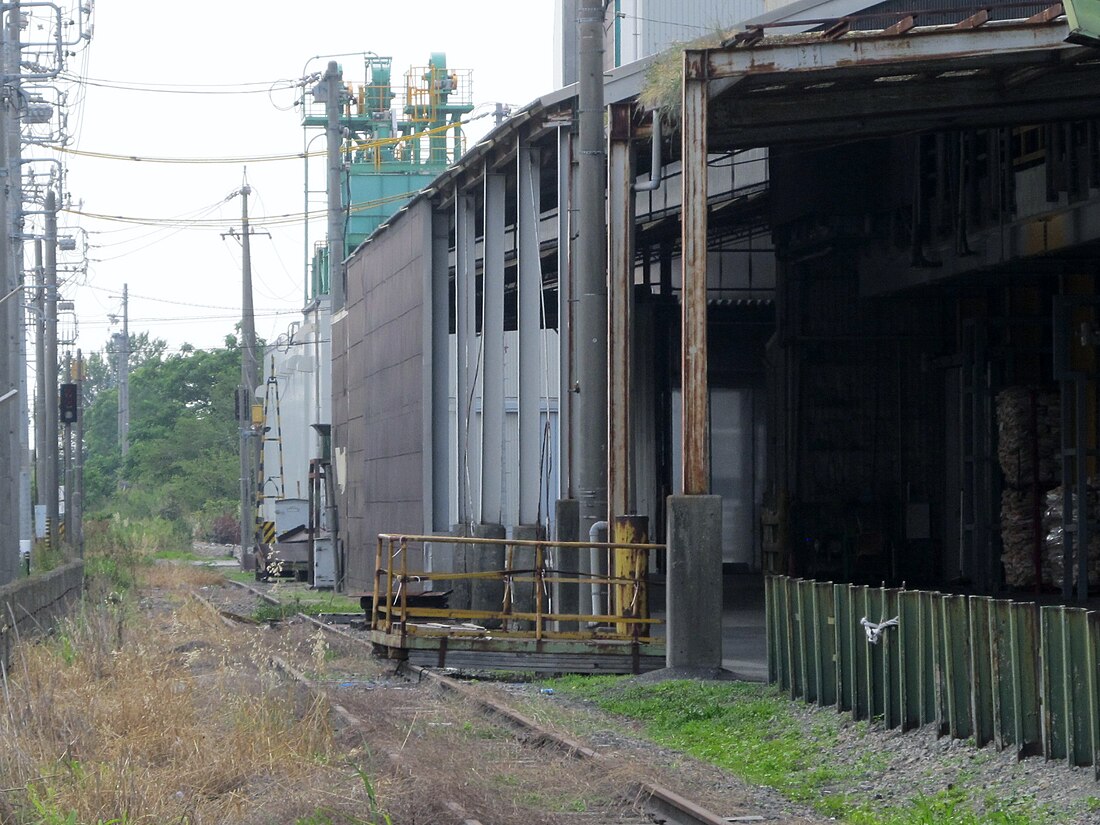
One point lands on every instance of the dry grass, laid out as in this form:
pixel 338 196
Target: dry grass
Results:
pixel 664 81
pixel 163 716
pixel 459 755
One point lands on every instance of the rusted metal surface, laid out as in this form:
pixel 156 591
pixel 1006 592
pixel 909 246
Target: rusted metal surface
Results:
pixel 901 27
pixel 979 18
pixel 820 51
pixel 630 595
pixel 1047 14
pixel 695 436
pixel 396 616
pixel 620 309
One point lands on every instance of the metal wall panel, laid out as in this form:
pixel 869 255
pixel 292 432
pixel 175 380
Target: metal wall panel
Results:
pixel 382 428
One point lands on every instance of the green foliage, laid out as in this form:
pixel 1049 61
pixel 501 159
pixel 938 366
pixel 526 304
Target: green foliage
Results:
pixel 751 731
pixel 115 548
pixel 47 811
pixel 182 465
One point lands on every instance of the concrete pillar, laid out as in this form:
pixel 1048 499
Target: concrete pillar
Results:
pixel 486 594
pixel 460 598
pixel 694 611
pixel 523 561
pixel 567 527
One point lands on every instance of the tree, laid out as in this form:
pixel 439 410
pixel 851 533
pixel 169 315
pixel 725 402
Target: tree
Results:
pixel 183 433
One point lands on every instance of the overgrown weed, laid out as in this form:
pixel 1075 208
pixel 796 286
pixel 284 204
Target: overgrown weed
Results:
pixel 127 715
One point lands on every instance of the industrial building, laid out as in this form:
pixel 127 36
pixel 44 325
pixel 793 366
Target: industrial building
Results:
pixel 898 250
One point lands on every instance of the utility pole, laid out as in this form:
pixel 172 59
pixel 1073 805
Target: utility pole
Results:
pixel 67 460
pixel 10 330
pixel 249 381
pixel 334 87
pixel 12 63
pixel 52 420
pixel 124 375
pixel 590 341
pixel 40 449
pixel 78 471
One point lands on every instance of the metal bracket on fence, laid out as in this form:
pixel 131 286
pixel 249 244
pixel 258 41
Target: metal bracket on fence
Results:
pixel 874 631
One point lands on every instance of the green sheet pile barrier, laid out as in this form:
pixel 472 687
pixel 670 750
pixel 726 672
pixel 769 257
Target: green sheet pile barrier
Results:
pixel 1014 674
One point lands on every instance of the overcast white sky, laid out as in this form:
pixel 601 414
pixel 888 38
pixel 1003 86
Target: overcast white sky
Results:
pixel 185 284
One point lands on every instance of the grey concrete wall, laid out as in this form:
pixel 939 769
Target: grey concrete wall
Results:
pixel 379 429
pixel 29 607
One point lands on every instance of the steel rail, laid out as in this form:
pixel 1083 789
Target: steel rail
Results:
pixel 663 804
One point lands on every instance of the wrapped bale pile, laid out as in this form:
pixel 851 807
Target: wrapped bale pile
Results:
pixel 1028 451
pixel 1052 525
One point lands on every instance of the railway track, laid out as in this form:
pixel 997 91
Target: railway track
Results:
pixel 615 796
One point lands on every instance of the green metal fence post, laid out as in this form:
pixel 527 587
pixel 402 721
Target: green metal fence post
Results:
pixel 981 678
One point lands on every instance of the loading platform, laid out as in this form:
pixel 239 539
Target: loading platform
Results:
pixel 502 607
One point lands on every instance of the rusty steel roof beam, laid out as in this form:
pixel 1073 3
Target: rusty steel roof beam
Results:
pixel 802 53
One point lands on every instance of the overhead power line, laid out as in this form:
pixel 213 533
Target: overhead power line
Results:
pixel 351 147
pixel 218 223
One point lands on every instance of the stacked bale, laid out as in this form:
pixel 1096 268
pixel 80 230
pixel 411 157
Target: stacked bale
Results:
pixel 1052 525
pixel 1028 451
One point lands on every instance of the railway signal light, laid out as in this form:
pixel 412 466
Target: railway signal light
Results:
pixel 70 403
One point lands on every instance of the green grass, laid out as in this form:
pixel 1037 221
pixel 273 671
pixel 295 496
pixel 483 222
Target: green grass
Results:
pixel 751 731
pixel 745 728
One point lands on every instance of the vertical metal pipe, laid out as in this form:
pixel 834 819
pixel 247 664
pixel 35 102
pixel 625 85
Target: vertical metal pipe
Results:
pixel 590 455
pixel 530 332
pixel 695 435
pixel 333 80
pixel 441 446
pixel 565 313
pixel 465 307
pixel 620 241
pixel 492 332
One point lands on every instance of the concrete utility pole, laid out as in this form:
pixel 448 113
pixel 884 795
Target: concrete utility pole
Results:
pixel 334 88
pixel 590 423
pixel 78 471
pixel 40 448
pixel 124 375
pixel 11 64
pixel 249 381
pixel 67 460
pixel 52 420
pixel 10 331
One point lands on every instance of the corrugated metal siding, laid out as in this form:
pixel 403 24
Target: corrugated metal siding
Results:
pixel 664 22
pixel 382 428
pixel 940 12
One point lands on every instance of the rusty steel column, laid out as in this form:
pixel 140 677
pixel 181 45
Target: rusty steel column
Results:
pixel 620 310
pixel 695 436
pixel 590 385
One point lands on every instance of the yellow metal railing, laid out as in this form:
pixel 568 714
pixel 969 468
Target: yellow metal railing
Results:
pixel 623 591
